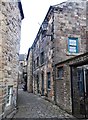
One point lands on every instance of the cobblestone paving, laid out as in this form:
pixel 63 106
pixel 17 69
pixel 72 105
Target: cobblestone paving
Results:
pixel 33 106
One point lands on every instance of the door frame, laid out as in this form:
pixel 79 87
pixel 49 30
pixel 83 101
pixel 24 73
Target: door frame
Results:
pixel 42 76
pixel 84 85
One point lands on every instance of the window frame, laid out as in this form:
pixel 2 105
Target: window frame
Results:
pixel 73 46
pixel 42 58
pixel 9 95
pixel 48 80
pixel 80 80
pixel 38 61
pixel 60 69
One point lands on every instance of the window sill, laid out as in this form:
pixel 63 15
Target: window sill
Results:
pixel 72 54
pixel 7 107
pixel 49 89
pixel 38 67
pixel 42 64
pixel 60 78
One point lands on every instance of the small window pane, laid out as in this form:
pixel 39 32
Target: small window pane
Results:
pixel 10 93
pixel 60 72
pixel 42 57
pixel 72 49
pixel 49 80
pixel 37 61
pixel 72 42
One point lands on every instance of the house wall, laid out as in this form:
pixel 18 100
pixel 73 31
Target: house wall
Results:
pixel 10 27
pixel 43 45
pixel 69 21
pixel 67 91
pixel 65 20
pixel 29 73
pixel 63 88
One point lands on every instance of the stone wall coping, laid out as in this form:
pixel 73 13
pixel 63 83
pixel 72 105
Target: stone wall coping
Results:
pixel 74 58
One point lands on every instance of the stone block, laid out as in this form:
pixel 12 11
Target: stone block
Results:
pixel 10 18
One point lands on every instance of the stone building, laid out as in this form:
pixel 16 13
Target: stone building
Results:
pixel 11 14
pixel 71 83
pixel 71 79
pixel 22 64
pixel 62 36
pixel 29 71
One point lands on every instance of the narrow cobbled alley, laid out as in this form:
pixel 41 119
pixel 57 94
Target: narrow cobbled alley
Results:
pixel 33 106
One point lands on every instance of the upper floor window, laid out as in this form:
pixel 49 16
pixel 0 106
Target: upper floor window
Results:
pixel 60 73
pixel 42 57
pixel 37 61
pixel 73 45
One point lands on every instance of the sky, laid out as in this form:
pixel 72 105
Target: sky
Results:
pixel 34 14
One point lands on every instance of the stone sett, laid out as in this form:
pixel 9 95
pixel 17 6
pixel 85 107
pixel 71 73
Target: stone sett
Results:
pixel 36 107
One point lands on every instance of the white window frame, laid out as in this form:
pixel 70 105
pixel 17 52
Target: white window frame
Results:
pixel 10 96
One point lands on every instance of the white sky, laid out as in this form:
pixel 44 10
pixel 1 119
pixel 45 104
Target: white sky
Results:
pixel 34 12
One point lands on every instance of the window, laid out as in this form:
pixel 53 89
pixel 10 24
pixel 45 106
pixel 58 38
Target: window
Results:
pixel 37 61
pixel 49 80
pixel 37 83
pixel 21 64
pixel 80 80
pixel 42 57
pixel 73 45
pixel 60 73
pixel 9 95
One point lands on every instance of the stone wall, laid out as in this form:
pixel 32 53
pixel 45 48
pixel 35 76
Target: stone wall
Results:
pixel 67 91
pixel 43 43
pixel 63 89
pixel 66 20
pixel 10 28
pixel 69 21
pixel 30 72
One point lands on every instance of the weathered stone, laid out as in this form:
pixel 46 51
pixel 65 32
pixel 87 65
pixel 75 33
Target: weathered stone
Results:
pixel 10 27
pixel 64 21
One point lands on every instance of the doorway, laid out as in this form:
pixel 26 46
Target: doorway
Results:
pixel 42 76
pixel 79 77
pixel 37 83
